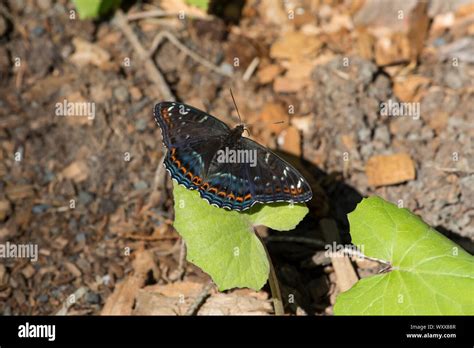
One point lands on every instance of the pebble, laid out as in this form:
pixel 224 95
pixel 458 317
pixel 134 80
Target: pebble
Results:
pixel 40 208
pixel 121 94
pixel 382 134
pixel 107 206
pixel 43 298
pixel 140 185
pixel 85 197
pixel 92 298
pixel 80 237
pixel 141 125
pixel 364 135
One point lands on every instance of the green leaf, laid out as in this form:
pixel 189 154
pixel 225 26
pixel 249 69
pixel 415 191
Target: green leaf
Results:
pixel 223 243
pixel 202 4
pixel 430 274
pixel 95 8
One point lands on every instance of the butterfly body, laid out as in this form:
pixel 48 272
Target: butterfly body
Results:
pixel 228 170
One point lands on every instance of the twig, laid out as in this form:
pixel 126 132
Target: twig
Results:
pixel 251 69
pixel 152 71
pixel 273 281
pixel 201 60
pixel 313 242
pixel 179 272
pixel 159 13
pixel 200 299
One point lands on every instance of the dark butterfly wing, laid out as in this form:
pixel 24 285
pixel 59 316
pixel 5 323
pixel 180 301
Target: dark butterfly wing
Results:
pixel 240 186
pixel 192 137
pixel 181 123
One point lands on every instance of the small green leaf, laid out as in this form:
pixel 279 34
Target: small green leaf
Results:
pixel 223 243
pixel 202 4
pixel 95 8
pixel 430 274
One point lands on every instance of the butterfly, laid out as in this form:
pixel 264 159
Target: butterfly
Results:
pixel 227 169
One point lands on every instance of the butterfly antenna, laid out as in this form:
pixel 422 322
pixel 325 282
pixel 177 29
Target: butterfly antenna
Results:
pixel 235 104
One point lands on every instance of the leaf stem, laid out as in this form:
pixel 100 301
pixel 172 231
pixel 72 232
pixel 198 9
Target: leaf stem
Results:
pixel 273 281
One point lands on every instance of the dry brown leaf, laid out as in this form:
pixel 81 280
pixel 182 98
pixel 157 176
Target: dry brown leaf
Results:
pixel 290 141
pixel 382 170
pixel 283 84
pixel 392 49
pixel 121 301
pixel 89 53
pixel 267 74
pixel 295 45
pixel 408 89
pixel 233 304
pixel 273 112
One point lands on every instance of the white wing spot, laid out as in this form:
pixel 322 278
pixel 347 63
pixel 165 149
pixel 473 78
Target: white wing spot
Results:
pixel 256 178
pixel 203 119
pixel 299 184
pixel 267 156
pixel 171 107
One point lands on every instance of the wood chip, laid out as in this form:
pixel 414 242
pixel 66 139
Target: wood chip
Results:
pixel 73 269
pixel 290 141
pixel 346 276
pixel 382 170
pixel 78 171
pixel 5 209
pixel 28 271
pixel 17 192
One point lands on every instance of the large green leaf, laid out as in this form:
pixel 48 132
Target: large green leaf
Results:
pixel 430 275
pixel 223 243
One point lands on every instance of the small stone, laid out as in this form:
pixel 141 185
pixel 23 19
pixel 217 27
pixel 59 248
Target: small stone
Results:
pixel 85 197
pixel 43 298
pixel 141 125
pixel 40 208
pixel 81 237
pixel 107 206
pixel 121 94
pixel 364 135
pixel 140 185
pixel 92 298
pixel 382 134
